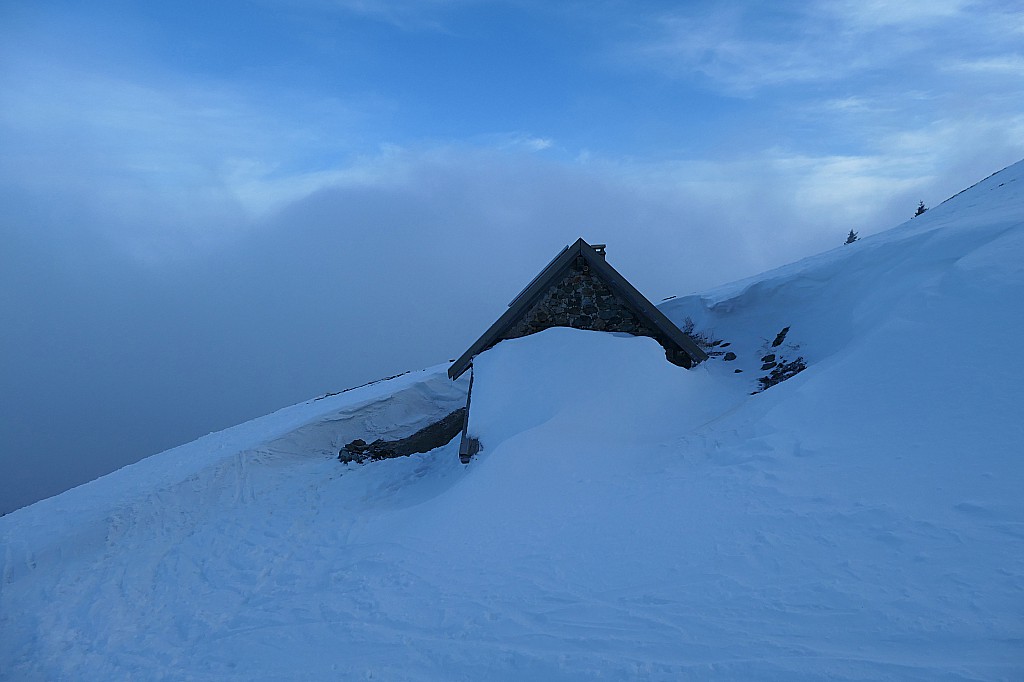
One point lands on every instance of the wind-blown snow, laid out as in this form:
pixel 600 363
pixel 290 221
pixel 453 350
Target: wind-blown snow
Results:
pixel 626 519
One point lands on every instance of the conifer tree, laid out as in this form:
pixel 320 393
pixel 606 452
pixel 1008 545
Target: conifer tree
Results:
pixel 921 208
pixel 852 237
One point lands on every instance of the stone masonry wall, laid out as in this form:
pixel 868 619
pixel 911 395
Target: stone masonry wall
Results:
pixel 582 301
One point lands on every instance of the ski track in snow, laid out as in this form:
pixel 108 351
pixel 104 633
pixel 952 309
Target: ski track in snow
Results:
pixel 860 521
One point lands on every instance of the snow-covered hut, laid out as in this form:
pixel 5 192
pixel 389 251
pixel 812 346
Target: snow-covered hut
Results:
pixel 579 289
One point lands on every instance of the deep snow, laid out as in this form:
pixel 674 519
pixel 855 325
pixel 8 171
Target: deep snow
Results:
pixel 627 519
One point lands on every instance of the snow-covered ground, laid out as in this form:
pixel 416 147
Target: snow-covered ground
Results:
pixel 626 519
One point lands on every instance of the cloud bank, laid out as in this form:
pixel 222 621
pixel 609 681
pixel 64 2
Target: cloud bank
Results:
pixel 188 248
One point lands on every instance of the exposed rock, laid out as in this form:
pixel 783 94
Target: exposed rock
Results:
pixel 783 371
pixel 729 356
pixel 426 439
pixel 780 337
pixel 358 445
pixel 768 358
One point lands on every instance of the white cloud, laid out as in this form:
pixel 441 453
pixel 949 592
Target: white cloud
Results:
pixel 537 144
pixel 1007 65
pixel 166 161
pixel 746 48
pixel 869 14
pixel 717 47
pixel 171 165
pixel 513 141
pixel 163 169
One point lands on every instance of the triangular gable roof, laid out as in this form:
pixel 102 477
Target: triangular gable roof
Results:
pixel 549 276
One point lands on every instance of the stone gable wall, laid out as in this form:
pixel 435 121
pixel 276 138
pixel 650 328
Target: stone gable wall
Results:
pixel 582 301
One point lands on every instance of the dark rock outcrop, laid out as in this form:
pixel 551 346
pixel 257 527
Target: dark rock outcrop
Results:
pixel 780 337
pixel 426 439
pixel 780 372
pixel 776 362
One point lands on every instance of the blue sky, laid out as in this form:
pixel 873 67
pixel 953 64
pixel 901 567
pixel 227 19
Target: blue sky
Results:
pixel 216 209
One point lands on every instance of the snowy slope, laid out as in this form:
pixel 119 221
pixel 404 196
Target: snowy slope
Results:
pixel 627 519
